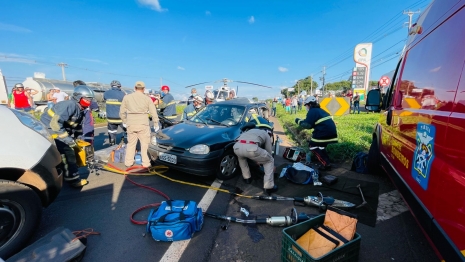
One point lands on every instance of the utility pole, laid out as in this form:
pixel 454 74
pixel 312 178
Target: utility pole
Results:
pixel 63 65
pixel 410 14
pixel 298 87
pixel 323 81
pixel 311 84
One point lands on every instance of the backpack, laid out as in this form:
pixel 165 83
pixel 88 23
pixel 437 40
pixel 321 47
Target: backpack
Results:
pixel 300 174
pixel 175 220
pixel 360 163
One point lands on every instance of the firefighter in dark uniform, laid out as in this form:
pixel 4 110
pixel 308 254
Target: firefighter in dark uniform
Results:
pixel 255 144
pixel 62 120
pixel 113 99
pixel 168 105
pixel 324 130
pixel 193 108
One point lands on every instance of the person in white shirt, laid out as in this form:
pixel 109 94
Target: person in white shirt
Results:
pixel 60 96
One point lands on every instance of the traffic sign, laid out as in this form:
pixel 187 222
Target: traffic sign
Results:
pixel 336 106
pixel 384 81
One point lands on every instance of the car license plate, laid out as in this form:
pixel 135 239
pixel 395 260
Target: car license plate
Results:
pixel 167 158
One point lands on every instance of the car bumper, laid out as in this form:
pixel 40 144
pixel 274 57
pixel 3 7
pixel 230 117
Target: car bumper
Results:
pixel 51 178
pixel 200 165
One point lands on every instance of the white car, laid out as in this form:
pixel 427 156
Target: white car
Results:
pixel 29 177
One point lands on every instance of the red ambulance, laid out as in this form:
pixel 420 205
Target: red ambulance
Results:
pixel 420 138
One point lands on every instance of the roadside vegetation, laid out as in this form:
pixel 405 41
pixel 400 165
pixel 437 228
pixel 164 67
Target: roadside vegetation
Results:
pixel 354 132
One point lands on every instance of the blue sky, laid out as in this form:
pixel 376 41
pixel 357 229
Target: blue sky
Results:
pixel 183 42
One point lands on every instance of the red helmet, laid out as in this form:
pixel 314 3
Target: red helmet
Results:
pixel 163 88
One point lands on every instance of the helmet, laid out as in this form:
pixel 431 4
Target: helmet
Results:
pixel 82 91
pixel 115 83
pixel 310 99
pixel 209 94
pixel 167 88
pixel 156 92
pixel 78 83
pixel 198 99
pixel 248 126
pixel 19 85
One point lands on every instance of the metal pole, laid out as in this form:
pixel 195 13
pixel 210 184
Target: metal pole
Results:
pixel 63 65
pixel 311 84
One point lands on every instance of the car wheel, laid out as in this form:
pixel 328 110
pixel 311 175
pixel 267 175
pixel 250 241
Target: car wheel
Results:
pixel 374 163
pixel 20 212
pixel 228 166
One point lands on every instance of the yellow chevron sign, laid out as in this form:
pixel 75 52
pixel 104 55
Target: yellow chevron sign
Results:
pixel 412 103
pixel 336 106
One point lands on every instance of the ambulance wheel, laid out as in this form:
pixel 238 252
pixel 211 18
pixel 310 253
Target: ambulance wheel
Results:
pixel 228 166
pixel 374 163
pixel 20 212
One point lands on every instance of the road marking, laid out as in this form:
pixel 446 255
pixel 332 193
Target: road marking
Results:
pixel 390 205
pixel 176 249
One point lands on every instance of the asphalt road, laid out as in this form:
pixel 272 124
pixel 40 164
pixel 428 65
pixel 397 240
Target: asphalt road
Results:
pixel 106 204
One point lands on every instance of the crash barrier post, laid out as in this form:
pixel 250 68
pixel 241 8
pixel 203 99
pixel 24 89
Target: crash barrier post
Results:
pixel 291 251
pixel 336 106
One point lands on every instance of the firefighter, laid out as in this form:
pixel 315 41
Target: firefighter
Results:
pixel 190 100
pixel 113 99
pixel 62 120
pixel 87 132
pixel 324 130
pixel 193 108
pixel 168 105
pixel 255 144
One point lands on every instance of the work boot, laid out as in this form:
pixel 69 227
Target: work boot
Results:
pixel 72 178
pixel 271 190
pixel 248 180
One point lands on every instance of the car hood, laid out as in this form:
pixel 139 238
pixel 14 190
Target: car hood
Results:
pixel 186 135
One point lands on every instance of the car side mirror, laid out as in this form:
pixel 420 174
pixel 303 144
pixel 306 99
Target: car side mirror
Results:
pixel 373 102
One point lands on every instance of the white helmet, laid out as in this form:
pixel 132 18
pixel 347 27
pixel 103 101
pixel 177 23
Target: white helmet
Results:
pixel 209 95
pixel 310 99
pixel 198 99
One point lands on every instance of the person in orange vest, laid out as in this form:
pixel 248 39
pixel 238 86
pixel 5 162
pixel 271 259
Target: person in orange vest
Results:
pixel 21 98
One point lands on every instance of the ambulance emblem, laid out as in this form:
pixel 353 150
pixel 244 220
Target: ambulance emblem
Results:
pixel 424 154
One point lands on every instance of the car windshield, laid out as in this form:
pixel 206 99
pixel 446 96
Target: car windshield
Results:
pixel 215 114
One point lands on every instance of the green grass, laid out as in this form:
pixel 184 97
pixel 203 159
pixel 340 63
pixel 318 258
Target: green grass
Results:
pixel 180 109
pixel 354 133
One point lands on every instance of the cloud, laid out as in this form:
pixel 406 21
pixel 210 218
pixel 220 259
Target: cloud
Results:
pixel 93 61
pixel 251 20
pixel 14 28
pixel 282 69
pixel 208 13
pixel 153 4
pixel 16 59
pixel 434 70
pixel 181 68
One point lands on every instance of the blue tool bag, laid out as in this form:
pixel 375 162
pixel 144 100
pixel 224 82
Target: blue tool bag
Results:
pixel 175 220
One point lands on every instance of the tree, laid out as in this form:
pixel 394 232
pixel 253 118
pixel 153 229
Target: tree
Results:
pixel 302 85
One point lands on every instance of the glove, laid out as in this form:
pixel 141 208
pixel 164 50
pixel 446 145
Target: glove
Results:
pixel 124 125
pixel 297 120
pixel 69 141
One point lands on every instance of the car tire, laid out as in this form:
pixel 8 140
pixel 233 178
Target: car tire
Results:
pixel 228 166
pixel 20 212
pixel 374 163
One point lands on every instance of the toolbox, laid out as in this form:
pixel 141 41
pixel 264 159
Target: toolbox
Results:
pixel 292 252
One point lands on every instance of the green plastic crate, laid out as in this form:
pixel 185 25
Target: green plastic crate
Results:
pixel 292 252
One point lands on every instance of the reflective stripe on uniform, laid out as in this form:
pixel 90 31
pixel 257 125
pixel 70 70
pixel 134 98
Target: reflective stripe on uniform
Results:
pixel 322 119
pixel 116 121
pixel 171 117
pixel 112 103
pixel 71 123
pixel 324 140
pixel 170 103
pixel 50 112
